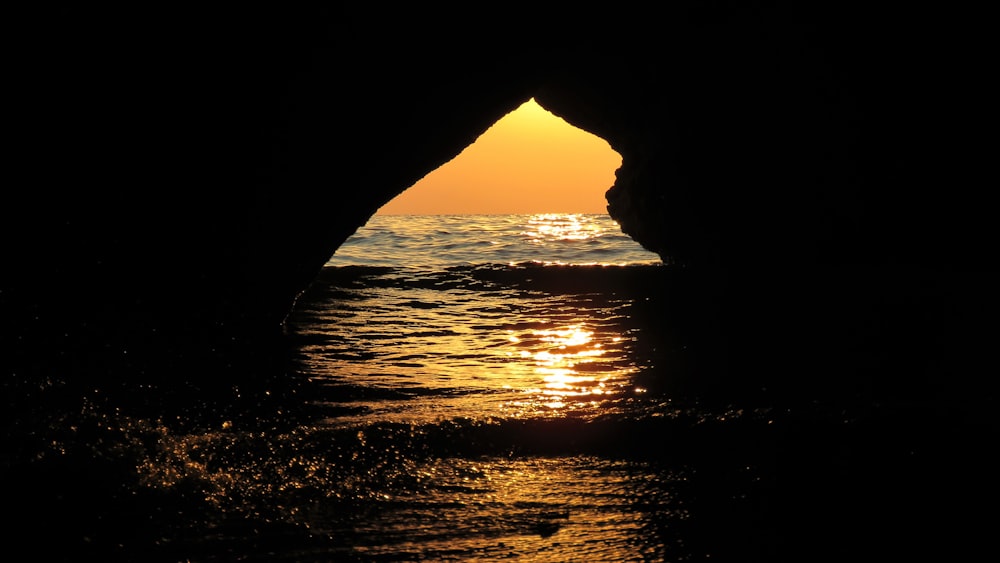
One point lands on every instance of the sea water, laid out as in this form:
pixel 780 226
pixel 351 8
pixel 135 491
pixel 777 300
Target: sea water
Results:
pixel 470 388
pixel 433 242
pixel 474 388
pixel 510 316
pixel 492 388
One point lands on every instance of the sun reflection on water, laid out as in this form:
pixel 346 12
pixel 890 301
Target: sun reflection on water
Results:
pixel 561 226
pixel 544 330
pixel 568 365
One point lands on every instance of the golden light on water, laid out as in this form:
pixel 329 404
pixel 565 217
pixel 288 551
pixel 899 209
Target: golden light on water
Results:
pixel 521 324
pixel 561 226
pixel 565 362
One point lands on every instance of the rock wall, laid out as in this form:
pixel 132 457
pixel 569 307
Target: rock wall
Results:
pixel 183 175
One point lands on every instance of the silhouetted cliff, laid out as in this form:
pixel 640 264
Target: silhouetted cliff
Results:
pixel 183 175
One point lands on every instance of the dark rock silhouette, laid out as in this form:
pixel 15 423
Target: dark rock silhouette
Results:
pixel 813 174
pixel 186 177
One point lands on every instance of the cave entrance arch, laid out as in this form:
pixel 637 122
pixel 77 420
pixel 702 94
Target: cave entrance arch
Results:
pixel 518 308
pixel 529 163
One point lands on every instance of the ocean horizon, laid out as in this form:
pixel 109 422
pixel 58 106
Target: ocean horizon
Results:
pixel 427 241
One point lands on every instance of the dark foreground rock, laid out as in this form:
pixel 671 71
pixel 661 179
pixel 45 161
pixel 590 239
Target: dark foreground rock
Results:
pixel 817 174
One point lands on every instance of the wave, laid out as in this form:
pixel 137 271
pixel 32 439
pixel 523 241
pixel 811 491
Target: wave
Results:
pixel 532 275
pixel 441 241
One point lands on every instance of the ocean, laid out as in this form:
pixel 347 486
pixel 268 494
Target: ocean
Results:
pixel 432 242
pixel 479 316
pixel 456 388
pixel 493 388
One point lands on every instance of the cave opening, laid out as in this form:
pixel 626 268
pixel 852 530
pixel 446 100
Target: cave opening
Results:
pixel 549 179
pixel 497 285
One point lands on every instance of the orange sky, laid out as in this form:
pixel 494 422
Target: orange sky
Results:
pixel 530 161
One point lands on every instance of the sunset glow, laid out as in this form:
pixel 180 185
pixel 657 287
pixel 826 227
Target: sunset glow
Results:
pixel 530 161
